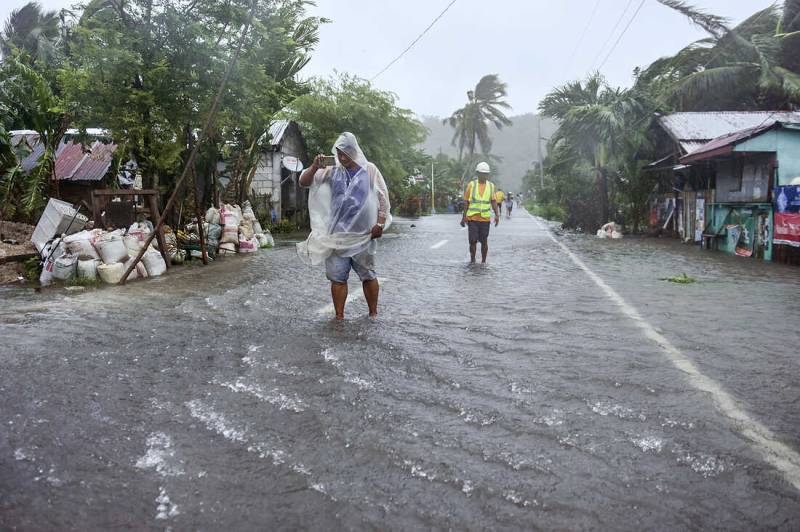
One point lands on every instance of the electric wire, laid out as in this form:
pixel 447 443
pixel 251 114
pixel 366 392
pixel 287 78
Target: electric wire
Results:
pixel 613 31
pixel 583 35
pixel 420 36
pixel 624 31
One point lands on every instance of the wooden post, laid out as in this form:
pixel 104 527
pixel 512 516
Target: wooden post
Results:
pixel 200 217
pixel 159 229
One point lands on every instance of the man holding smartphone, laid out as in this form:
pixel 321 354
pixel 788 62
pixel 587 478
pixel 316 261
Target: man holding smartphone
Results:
pixel 349 208
pixel 479 202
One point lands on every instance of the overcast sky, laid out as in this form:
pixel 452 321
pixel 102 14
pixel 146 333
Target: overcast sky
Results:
pixel 533 45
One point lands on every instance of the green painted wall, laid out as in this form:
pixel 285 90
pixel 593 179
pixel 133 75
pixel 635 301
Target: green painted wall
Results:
pixel 745 217
pixel 784 141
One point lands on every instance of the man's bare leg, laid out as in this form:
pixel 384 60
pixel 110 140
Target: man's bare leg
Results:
pixel 371 291
pixel 473 246
pixel 484 250
pixel 339 295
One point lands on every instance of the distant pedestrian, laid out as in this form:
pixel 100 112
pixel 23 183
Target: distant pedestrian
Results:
pixel 499 197
pixel 479 203
pixel 349 208
pixel 509 204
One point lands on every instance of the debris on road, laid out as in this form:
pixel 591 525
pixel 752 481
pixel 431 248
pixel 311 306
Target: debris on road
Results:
pixel 609 230
pixel 680 279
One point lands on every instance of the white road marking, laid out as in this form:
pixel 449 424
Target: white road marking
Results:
pixel 351 296
pixel 439 244
pixel 763 440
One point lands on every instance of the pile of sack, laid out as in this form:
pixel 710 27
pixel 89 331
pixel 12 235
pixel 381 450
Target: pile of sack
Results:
pixel 610 231
pixel 234 229
pixel 93 254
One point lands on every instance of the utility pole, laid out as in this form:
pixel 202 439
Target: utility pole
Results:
pixel 539 149
pixel 433 195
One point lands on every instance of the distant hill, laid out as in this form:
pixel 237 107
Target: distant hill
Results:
pixel 515 145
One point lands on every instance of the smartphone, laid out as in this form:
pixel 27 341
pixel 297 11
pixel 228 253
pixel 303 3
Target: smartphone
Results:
pixel 328 160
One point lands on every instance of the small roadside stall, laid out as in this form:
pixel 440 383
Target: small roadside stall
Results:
pixel 747 166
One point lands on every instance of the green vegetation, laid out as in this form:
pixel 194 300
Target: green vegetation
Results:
pixel 548 211
pixel 284 226
pixel 31 269
pixel 387 133
pixel 594 167
pixel 86 283
pixel 680 279
pixel 147 72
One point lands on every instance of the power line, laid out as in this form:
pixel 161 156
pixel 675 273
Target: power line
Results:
pixel 396 59
pixel 613 31
pixel 622 34
pixel 583 35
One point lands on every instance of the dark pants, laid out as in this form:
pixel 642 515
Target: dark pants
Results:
pixel 478 231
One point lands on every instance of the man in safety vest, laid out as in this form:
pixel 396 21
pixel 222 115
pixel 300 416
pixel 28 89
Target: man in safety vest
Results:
pixel 479 202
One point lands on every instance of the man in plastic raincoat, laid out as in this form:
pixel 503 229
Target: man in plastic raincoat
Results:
pixel 349 209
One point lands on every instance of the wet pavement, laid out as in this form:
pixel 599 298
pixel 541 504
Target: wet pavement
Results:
pixel 520 395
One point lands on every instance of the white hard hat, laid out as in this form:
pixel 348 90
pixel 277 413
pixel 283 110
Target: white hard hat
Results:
pixel 483 168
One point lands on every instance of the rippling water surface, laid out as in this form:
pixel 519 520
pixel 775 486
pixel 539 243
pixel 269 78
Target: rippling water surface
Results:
pixel 512 396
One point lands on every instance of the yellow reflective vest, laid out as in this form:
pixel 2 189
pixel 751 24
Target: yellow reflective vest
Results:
pixel 481 204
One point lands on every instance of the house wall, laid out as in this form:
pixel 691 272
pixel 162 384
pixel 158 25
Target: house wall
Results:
pixel 783 141
pixel 263 181
pixel 754 183
pixel 289 196
pixel 748 226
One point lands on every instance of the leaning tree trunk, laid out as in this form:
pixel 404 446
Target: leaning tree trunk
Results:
pixel 602 184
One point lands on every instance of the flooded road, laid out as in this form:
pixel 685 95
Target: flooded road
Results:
pixel 541 391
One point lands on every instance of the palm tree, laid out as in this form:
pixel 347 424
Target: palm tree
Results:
pixel 754 65
pixel 31 30
pixel 471 123
pixel 595 123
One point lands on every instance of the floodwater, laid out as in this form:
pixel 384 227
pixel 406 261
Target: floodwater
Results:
pixel 518 395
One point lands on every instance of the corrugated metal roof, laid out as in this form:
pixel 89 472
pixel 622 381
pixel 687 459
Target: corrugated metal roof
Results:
pixel 691 145
pixel 68 158
pixel 693 130
pixel 724 144
pixel 95 165
pixel 72 162
pixel 31 138
pixel 276 131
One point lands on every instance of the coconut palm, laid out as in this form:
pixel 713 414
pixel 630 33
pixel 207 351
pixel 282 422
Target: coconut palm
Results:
pixel 754 65
pixel 31 30
pixel 596 122
pixel 484 106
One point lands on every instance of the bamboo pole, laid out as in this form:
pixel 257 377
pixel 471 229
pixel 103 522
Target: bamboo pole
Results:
pixel 190 162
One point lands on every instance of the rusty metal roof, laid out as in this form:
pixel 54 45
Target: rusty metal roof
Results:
pixel 693 130
pixel 724 145
pixel 69 156
pixel 73 161
pixel 96 164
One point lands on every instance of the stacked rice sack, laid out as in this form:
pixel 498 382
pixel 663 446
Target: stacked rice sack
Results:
pixel 95 253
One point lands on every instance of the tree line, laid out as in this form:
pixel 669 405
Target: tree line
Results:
pixel 146 72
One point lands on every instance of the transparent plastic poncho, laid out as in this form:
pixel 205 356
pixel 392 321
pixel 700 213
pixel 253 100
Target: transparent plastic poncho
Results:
pixel 343 207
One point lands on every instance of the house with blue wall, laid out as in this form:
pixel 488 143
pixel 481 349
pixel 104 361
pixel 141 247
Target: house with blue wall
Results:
pixel 751 169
